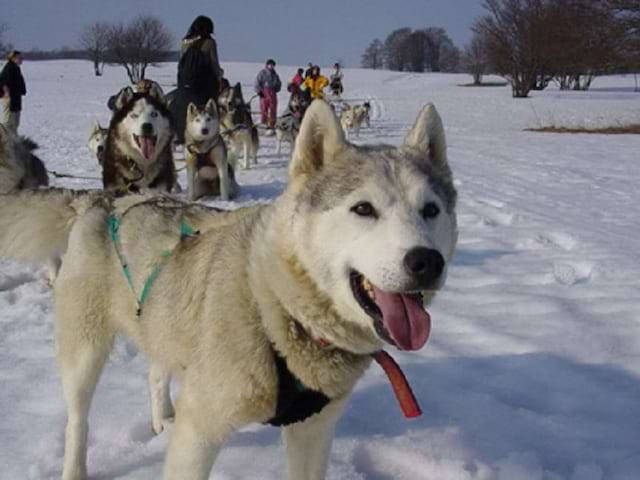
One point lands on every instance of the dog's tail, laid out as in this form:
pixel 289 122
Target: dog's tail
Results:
pixel 35 224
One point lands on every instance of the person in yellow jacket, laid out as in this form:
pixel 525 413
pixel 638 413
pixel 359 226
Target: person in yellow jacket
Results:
pixel 315 83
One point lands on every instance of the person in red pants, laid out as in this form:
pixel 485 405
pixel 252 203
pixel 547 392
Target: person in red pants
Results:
pixel 267 87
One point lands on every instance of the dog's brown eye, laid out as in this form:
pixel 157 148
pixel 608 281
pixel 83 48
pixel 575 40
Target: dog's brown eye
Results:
pixel 364 209
pixel 430 210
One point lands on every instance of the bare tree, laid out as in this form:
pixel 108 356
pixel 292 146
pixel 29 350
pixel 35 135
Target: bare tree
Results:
pixel 373 56
pixel 474 59
pixel 4 27
pixel 627 15
pixel 516 41
pixel 94 39
pixel 436 43
pixel 144 41
pixel 395 50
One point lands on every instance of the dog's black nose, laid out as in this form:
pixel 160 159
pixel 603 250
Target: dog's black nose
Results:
pixel 205 131
pixel 147 129
pixel 424 264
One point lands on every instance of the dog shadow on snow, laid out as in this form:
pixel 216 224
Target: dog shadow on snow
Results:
pixel 565 412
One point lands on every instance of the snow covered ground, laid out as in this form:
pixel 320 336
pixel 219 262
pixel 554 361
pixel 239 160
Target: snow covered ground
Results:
pixel 533 367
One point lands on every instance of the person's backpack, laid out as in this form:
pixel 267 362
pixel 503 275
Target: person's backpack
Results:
pixel 195 71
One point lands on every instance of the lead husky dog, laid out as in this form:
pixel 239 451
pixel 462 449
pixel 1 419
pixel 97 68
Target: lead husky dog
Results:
pixel 270 313
pixel 138 150
pixel 208 172
pixel 239 131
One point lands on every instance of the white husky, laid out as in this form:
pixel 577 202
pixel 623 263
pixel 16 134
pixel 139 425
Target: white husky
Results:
pixel 268 313
pixel 208 171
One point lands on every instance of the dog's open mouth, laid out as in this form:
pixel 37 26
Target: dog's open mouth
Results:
pixel 398 318
pixel 147 145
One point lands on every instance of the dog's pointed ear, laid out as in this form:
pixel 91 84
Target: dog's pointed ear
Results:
pixel 211 107
pixel 124 96
pixel 318 141
pixel 427 137
pixel 96 126
pixel 156 92
pixel 192 109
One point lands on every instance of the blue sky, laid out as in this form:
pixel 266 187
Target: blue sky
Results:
pixel 292 32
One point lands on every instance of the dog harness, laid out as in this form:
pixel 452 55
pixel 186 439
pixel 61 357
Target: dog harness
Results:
pixel 296 402
pixel 113 225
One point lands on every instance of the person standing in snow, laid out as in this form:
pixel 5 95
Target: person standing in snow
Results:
pixel 336 80
pixel 12 89
pixel 267 87
pixel 296 81
pixel 315 83
pixel 199 72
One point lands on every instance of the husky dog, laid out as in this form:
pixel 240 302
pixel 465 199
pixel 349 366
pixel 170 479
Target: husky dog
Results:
pixel 208 172
pixel 97 141
pixel 20 168
pixel 240 134
pixel 288 125
pixel 138 150
pixel 268 313
pixel 353 117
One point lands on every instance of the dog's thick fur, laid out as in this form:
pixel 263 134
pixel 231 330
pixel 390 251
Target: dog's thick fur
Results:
pixel 98 141
pixel 239 131
pixel 255 281
pixel 138 151
pixel 20 168
pixel 208 172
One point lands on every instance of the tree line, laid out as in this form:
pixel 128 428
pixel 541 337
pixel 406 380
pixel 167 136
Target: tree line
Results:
pixel 406 50
pixel 531 43
pixel 136 45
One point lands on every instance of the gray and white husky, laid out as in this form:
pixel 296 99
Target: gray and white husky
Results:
pixel 240 134
pixel 208 171
pixel 268 313
pixel 98 141
pixel 20 168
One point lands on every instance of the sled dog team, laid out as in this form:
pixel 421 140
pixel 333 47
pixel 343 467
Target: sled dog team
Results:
pixel 263 314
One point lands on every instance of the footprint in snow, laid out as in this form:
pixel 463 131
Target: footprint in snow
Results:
pixel 572 273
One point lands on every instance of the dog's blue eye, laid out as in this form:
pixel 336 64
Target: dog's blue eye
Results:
pixel 154 114
pixel 430 210
pixel 364 209
pixel 134 115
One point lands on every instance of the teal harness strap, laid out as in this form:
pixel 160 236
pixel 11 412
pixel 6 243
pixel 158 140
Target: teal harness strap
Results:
pixel 113 223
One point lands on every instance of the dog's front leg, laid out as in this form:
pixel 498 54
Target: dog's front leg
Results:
pixel 192 449
pixel 191 180
pixel 223 175
pixel 308 443
pixel 245 148
pixel 159 389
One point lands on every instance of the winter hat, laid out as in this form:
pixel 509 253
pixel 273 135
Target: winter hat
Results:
pixel 13 54
pixel 271 61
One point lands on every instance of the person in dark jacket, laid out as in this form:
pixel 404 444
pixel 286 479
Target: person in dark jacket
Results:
pixel 200 36
pixel 13 88
pixel 267 86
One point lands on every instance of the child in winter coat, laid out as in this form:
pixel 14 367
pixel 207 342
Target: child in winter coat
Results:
pixel 267 86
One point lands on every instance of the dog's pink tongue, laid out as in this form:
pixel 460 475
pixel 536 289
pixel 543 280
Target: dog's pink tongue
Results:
pixel 405 319
pixel 148 146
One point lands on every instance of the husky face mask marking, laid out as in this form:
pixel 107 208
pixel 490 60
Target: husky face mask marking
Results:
pixel 202 123
pixel 377 226
pixel 144 129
